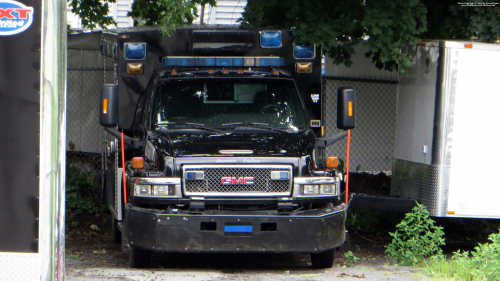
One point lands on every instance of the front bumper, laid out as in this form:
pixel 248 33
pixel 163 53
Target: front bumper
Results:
pixel 215 231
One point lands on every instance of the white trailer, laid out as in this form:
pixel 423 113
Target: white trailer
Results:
pixel 32 139
pixel 447 151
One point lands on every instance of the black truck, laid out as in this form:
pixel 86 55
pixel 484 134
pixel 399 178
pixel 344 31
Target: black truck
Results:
pixel 213 140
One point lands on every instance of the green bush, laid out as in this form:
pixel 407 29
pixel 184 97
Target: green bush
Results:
pixel 415 238
pixel 481 264
pixel 82 194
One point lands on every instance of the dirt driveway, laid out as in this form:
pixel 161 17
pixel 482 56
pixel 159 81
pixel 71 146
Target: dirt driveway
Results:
pixel 101 259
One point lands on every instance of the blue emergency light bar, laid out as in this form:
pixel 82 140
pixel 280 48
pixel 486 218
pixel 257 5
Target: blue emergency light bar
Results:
pixel 270 39
pixel 304 51
pixel 223 61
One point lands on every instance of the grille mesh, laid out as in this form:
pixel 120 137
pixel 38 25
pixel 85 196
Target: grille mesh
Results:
pixel 213 176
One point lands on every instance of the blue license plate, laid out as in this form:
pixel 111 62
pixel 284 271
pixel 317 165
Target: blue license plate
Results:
pixel 238 228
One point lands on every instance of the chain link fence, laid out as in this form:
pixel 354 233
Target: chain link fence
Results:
pixel 84 135
pixel 372 140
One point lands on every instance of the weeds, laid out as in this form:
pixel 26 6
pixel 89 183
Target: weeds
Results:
pixel 350 258
pixel 415 238
pixel 483 263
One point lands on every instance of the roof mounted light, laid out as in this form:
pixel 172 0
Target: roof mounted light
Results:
pixel 228 61
pixel 304 51
pixel 135 68
pixel 223 61
pixel 135 51
pixel 270 39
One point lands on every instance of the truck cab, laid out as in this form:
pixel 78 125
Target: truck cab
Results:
pixel 212 149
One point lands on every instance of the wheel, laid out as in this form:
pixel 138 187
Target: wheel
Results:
pixel 139 258
pixel 323 259
pixel 117 234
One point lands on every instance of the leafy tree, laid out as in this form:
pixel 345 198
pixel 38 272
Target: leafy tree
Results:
pixel 389 25
pixel 93 13
pixel 167 14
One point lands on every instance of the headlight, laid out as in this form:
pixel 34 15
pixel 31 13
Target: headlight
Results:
pixel 142 190
pixel 327 189
pixel 316 187
pixel 157 187
pixel 311 189
pixel 161 190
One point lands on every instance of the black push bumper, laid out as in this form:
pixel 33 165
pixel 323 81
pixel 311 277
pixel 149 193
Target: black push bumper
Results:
pixel 215 231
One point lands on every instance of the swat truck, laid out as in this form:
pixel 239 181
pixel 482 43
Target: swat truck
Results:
pixel 211 146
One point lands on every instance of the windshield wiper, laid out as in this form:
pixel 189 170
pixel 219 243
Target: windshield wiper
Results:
pixel 196 126
pixel 260 125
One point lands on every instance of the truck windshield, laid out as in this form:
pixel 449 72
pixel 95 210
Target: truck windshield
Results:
pixel 219 103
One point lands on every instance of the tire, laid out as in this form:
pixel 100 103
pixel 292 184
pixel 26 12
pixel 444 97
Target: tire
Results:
pixel 117 234
pixel 139 258
pixel 323 259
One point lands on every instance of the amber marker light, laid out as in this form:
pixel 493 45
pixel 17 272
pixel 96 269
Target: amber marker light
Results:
pixel 135 68
pixel 468 46
pixel 138 163
pixel 276 72
pixel 225 71
pixel 332 162
pixel 211 71
pixel 105 106
pixel 305 67
pixel 173 72
pixel 451 212
pixel 240 71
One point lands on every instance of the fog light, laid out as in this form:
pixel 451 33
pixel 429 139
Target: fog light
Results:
pixel 327 189
pixel 161 190
pixel 142 190
pixel 311 189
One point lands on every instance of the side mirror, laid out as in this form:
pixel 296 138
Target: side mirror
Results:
pixel 346 109
pixel 109 105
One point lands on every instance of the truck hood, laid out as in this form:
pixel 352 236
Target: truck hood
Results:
pixel 283 144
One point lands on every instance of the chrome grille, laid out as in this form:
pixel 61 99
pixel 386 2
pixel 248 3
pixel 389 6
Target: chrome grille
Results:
pixel 263 184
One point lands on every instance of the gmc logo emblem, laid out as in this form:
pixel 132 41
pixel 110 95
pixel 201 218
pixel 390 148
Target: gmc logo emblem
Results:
pixel 242 181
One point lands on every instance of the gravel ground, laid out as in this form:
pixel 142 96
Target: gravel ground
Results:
pixel 101 259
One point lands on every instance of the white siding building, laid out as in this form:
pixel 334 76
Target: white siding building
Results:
pixel 226 12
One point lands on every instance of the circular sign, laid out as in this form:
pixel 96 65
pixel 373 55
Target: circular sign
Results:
pixel 15 17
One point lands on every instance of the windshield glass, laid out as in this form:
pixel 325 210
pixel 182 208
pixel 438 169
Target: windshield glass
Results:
pixel 219 103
